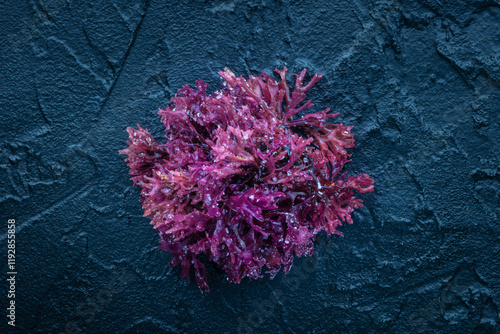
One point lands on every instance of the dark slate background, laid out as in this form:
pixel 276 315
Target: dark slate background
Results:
pixel 419 80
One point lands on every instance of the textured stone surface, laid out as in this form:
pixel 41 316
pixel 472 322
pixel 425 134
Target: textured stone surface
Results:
pixel 419 80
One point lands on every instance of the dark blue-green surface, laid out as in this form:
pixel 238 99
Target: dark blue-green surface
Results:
pixel 419 80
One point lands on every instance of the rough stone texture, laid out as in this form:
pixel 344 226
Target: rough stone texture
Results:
pixel 419 80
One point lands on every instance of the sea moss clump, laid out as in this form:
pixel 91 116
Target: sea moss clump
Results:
pixel 242 177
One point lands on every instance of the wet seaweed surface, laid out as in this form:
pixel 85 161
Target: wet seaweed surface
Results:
pixel 419 81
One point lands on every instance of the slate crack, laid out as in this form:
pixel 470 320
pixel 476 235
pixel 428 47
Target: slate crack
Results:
pixel 40 108
pixel 398 128
pixel 417 183
pixel 455 67
pixel 124 59
pixel 59 203
pixel 96 48
pixel 44 11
